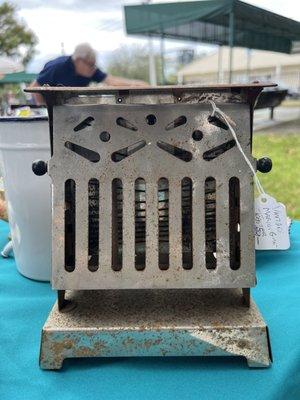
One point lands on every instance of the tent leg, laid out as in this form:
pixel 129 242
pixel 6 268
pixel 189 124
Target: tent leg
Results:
pixel 249 53
pixel 152 67
pixel 231 44
pixel 162 58
pixel 220 66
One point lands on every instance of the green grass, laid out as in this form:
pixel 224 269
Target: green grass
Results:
pixel 283 182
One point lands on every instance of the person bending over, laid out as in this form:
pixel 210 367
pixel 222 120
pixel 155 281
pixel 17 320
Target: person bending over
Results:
pixel 79 69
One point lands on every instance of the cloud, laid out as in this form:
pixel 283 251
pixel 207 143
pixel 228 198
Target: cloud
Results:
pixel 99 22
pixel 70 4
pixel 102 28
pixel 53 26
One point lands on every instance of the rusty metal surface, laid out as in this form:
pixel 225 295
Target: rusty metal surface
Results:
pixel 107 89
pixel 90 144
pixel 155 323
pixel 155 94
pixel 150 163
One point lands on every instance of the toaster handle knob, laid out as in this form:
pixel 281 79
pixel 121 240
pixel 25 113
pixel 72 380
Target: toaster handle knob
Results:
pixel 39 167
pixel 264 165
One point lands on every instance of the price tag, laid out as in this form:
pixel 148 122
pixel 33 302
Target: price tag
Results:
pixel 271 224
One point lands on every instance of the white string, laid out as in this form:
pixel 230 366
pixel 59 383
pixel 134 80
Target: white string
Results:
pixel 226 119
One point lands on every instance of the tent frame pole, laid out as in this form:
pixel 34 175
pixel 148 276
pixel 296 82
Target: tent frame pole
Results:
pixel 152 66
pixel 220 64
pixel 162 58
pixel 231 43
pixel 151 59
pixel 249 54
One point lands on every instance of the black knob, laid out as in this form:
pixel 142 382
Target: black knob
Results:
pixel 264 165
pixel 39 167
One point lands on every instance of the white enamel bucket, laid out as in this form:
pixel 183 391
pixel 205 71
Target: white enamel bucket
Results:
pixel 22 141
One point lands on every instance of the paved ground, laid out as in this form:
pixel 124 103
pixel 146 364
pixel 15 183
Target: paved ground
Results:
pixel 283 128
pixel 284 117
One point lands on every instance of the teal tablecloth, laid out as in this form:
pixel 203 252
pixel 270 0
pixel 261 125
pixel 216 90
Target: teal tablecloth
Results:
pixel 24 306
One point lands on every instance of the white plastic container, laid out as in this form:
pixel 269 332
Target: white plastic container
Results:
pixel 22 141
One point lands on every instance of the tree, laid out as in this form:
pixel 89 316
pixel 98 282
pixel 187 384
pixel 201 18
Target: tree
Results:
pixel 16 40
pixel 132 62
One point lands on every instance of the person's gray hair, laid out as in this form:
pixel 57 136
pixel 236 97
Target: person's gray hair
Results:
pixel 84 51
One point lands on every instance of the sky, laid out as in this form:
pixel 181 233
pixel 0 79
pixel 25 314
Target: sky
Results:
pixel 65 23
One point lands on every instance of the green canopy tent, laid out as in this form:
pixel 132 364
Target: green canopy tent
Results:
pixel 18 77
pixel 220 22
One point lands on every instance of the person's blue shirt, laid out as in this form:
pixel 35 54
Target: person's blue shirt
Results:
pixel 61 72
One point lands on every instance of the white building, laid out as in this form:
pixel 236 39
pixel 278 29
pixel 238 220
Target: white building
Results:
pixel 248 65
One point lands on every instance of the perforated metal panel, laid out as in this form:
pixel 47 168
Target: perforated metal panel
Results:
pixel 96 239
